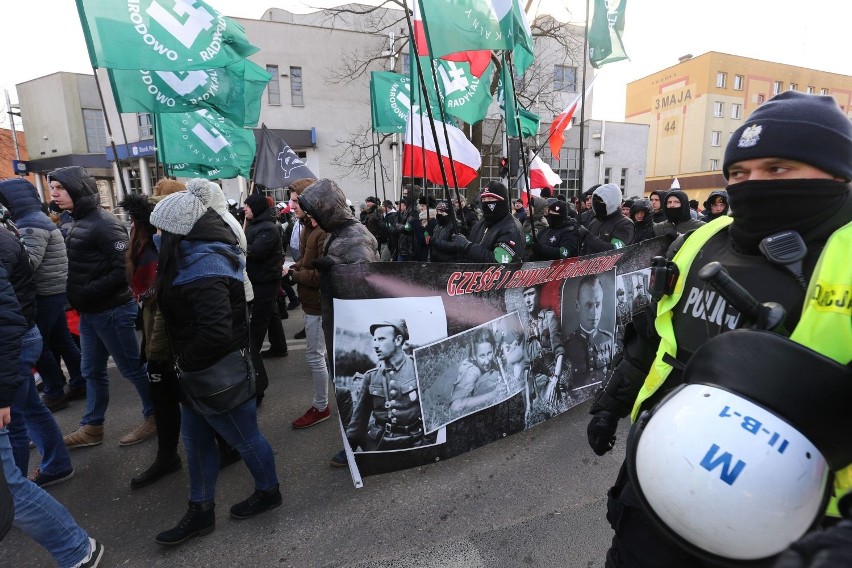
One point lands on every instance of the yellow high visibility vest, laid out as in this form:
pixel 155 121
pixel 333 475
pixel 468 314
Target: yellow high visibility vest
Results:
pixel 825 325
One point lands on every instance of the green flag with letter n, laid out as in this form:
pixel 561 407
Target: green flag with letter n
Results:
pixel 206 139
pixel 605 45
pixel 160 35
pixel 390 101
pixel 234 91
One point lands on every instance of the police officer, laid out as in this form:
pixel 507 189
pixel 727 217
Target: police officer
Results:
pixel 793 148
pixel 589 349
pixel 389 394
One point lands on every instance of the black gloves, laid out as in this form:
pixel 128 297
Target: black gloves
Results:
pixel 582 231
pixel 820 549
pixel 601 431
pixel 460 242
pixel 324 263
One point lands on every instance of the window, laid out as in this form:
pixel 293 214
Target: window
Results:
pixel 823 91
pixel 96 139
pixel 811 90
pixel 718 109
pixel 777 87
pixel 714 165
pixel 736 110
pixel 565 78
pixel 569 159
pixel 146 129
pixel 716 138
pixel 760 99
pixel 721 80
pixel 607 175
pixel 623 179
pixel 738 82
pixel 273 89
pixel 296 95
pixel 793 87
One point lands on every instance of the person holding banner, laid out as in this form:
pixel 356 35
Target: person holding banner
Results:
pixel 794 148
pixel 560 239
pixel 609 230
pixel 498 236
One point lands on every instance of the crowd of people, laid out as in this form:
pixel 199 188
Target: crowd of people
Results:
pixel 206 282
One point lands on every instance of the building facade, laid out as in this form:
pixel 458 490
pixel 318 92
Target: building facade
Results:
pixel 692 109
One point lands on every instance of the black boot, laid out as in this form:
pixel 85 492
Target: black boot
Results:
pixel 257 503
pixel 158 469
pixel 199 520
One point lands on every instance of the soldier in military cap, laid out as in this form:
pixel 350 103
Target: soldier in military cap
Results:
pixel 544 348
pixel 389 395
pixel 589 349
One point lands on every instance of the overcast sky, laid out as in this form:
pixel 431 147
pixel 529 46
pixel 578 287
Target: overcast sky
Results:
pixel 44 36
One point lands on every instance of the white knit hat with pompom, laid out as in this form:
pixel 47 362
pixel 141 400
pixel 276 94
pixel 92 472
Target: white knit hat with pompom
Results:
pixel 178 212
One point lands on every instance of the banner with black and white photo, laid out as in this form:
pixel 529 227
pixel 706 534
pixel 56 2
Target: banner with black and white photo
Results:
pixel 432 360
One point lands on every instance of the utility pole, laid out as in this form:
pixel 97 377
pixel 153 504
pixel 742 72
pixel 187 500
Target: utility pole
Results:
pixel 12 115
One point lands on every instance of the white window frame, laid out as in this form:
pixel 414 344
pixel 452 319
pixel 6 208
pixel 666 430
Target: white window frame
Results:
pixel 718 109
pixel 297 88
pixel 736 110
pixel 721 79
pixel 738 82
pixel 273 88
pixel 714 164
pixel 777 87
pixel 716 138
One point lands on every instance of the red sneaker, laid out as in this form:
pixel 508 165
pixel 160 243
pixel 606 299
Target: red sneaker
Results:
pixel 311 417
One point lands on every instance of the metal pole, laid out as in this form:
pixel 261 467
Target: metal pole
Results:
pixel 583 108
pixel 109 133
pixel 12 115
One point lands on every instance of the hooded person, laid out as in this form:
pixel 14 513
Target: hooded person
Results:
pixel 560 238
pixel 716 205
pixel 45 245
pixel 537 222
pixel 609 230
pixel 794 148
pixel 585 213
pixel 658 204
pixel 640 214
pixel 98 288
pixel 442 236
pixel 498 237
pixel 678 216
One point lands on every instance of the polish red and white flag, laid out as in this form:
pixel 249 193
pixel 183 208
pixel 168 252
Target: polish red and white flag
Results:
pixel 420 155
pixel 541 175
pixel 563 121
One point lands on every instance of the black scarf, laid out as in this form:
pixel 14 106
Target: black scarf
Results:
pixel 492 216
pixel 765 207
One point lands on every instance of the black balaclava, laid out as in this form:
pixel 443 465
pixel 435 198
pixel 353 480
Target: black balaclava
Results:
pixel 606 201
pixel 557 213
pixel 442 216
pixel 677 214
pixel 493 211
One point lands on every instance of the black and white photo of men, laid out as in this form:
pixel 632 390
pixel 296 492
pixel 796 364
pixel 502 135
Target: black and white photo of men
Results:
pixel 588 311
pixel 382 382
pixel 463 374
pixel 545 353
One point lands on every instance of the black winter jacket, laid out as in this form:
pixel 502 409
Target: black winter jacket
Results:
pixel 16 261
pixel 264 256
pixel 615 227
pixel 95 243
pixel 505 234
pixel 12 329
pixel 442 249
pixel 554 243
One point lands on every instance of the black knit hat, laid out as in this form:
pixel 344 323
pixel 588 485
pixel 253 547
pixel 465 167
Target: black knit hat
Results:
pixel 257 203
pixel 807 128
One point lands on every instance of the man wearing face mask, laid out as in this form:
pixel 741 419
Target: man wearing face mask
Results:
pixel 609 230
pixel 560 239
pixel 795 148
pixel 443 249
pixel 498 236
pixel 678 220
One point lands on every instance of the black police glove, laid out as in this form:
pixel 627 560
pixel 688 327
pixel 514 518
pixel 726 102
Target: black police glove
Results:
pixel 601 431
pixel 324 263
pixel 460 242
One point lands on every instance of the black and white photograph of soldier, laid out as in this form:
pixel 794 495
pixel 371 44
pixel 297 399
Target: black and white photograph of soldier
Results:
pixel 589 322
pixel 545 353
pixel 375 375
pixel 631 297
pixel 463 374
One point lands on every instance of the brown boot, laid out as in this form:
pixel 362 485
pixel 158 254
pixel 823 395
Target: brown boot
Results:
pixel 146 430
pixel 86 435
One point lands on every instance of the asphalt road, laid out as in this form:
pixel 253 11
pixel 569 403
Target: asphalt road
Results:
pixel 533 499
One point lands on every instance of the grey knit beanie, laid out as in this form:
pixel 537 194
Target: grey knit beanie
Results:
pixel 178 212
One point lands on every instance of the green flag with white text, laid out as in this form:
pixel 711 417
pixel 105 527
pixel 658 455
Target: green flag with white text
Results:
pixel 206 139
pixel 174 35
pixel 605 45
pixel 390 101
pixel 234 91
pixel 463 95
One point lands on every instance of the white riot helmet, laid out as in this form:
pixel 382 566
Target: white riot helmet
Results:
pixel 736 464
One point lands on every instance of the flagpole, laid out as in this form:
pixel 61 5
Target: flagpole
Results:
pixel 507 59
pixel 583 107
pixel 381 167
pixel 109 132
pixel 375 181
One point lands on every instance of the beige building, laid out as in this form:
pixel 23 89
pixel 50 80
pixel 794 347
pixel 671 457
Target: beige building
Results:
pixel 692 109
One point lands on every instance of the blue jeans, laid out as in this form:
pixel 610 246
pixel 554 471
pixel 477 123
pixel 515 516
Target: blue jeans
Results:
pixel 41 516
pixel 105 333
pixel 30 415
pixel 51 322
pixel 239 428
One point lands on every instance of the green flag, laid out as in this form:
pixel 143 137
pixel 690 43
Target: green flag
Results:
pixel 465 25
pixel 506 100
pixel 605 45
pixel 168 36
pixel 390 101
pixel 234 91
pixel 206 139
pixel 202 171
pixel 518 34
pixel 464 95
